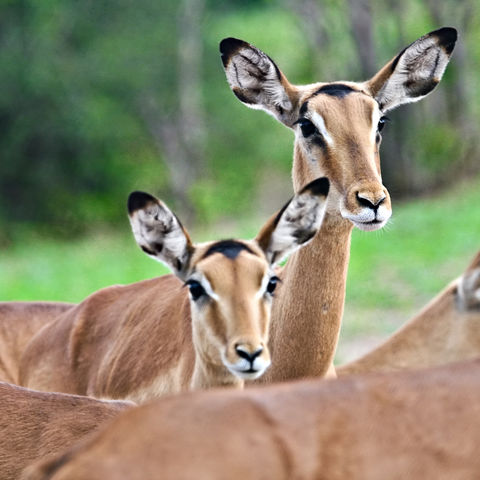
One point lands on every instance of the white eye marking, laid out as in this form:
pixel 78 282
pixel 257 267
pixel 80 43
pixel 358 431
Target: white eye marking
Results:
pixel 202 280
pixel 376 114
pixel 320 124
pixel 263 286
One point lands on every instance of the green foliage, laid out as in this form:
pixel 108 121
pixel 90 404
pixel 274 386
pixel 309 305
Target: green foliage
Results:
pixel 69 270
pixel 437 144
pixel 72 138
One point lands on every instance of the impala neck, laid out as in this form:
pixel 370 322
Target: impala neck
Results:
pixel 308 310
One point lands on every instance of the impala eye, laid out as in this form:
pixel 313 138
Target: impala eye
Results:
pixel 196 290
pixel 272 285
pixel 382 123
pixel 308 128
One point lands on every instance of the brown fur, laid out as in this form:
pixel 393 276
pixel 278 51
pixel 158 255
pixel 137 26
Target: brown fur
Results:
pixel 446 330
pixel 19 322
pixel 307 316
pixel 36 424
pixel 307 313
pixel 412 425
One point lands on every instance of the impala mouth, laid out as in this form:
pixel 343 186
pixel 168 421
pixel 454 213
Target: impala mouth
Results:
pixel 248 371
pixel 249 374
pixel 368 219
pixel 371 225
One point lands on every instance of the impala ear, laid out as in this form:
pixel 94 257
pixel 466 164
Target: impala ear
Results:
pixel 296 223
pixel 159 233
pixel 469 286
pixel 415 71
pixel 257 81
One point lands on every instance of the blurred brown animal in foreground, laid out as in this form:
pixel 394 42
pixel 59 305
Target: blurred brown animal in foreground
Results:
pixel 402 426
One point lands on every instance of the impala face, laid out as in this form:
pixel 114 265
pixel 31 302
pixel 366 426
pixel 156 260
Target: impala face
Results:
pixel 231 282
pixel 231 289
pixel 337 125
pixel 345 151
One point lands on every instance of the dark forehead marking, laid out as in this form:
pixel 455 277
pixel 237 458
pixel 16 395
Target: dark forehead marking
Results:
pixel 335 90
pixel 229 248
pixel 338 90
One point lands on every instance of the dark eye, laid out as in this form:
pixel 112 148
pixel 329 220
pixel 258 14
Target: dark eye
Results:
pixel 272 285
pixel 196 289
pixel 308 128
pixel 382 123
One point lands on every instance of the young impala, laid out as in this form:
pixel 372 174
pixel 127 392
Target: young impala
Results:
pixel 151 338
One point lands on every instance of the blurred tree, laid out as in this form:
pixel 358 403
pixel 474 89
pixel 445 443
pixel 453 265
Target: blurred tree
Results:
pixel 101 97
pixel 362 31
pixel 398 160
pixel 179 134
pixel 461 14
pixel 312 20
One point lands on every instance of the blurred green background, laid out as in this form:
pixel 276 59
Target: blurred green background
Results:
pixel 103 97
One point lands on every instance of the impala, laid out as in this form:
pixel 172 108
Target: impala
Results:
pixel 151 338
pixel 36 424
pixel 421 424
pixel 446 330
pixel 337 130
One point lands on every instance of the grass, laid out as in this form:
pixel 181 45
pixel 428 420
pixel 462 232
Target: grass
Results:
pixel 427 242
pixel 42 269
pixel 395 271
pixel 392 272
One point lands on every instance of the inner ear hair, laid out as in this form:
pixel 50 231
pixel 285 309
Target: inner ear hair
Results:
pixel 159 232
pixel 256 80
pixel 415 71
pixel 296 223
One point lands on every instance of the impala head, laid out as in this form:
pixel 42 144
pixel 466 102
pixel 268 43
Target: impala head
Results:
pixel 231 282
pixel 338 125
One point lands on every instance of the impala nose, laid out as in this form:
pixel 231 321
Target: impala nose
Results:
pixel 366 200
pixel 243 352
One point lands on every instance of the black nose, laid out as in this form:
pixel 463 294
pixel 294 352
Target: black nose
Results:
pixel 241 352
pixel 369 204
